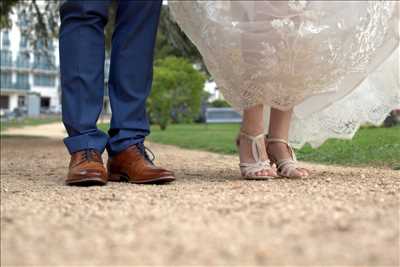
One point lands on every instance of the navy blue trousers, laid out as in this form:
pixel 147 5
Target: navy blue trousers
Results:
pixel 82 55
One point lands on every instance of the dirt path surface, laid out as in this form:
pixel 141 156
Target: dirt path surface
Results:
pixel 340 216
pixel 54 130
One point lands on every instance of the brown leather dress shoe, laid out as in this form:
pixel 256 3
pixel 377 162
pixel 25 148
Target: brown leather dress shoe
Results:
pixel 86 168
pixel 133 165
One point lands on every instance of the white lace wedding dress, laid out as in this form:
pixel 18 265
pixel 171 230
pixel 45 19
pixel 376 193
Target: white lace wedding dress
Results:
pixel 335 62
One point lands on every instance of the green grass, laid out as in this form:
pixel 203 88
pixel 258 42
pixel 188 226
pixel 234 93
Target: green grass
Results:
pixel 371 146
pixel 27 122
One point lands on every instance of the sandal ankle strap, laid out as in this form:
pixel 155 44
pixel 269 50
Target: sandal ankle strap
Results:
pixel 277 140
pixel 255 145
pixel 283 141
pixel 251 137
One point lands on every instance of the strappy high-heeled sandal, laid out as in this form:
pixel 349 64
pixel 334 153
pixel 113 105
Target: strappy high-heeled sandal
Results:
pixel 250 170
pixel 285 167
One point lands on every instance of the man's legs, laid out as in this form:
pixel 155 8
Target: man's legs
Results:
pixel 131 71
pixel 82 53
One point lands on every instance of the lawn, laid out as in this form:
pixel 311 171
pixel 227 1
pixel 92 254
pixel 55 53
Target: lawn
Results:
pixel 371 146
pixel 27 122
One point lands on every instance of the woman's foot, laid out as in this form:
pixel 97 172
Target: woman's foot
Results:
pixel 283 156
pixel 254 162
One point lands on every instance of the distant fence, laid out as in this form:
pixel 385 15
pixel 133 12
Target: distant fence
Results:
pixel 222 115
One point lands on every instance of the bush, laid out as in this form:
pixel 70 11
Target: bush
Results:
pixel 219 104
pixel 177 91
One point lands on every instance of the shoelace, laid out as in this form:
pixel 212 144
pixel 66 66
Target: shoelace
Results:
pixel 145 152
pixel 90 155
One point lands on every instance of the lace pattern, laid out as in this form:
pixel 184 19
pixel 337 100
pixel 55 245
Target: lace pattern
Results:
pixel 317 57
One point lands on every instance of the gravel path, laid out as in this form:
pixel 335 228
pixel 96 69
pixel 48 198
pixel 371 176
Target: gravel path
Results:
pixel 340 216
pixel 53 130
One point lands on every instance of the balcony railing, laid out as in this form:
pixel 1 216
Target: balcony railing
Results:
pixel 15 87
pixel 22 86
pixel 6 64
pixel 23 65
pixel 53 70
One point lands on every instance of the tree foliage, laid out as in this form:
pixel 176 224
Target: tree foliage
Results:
pixel 177 38
pixel 6 9
pixel 178 86
pixel 177 92
pixel 42 19
pixel 219 103
pixel 37 20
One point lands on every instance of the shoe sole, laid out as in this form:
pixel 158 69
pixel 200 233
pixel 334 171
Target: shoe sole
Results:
pixel 260 177
pixel 88 181
pixel 126 179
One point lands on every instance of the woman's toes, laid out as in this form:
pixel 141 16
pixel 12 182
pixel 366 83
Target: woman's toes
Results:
pixel 264 173
pixel 303 172
pixel 296 174
pixel 269 173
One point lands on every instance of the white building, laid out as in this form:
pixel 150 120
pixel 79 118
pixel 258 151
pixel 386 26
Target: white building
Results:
pixel 212 88
pixel 24 70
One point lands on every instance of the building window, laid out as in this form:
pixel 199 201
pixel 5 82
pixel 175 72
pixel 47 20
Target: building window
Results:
pixel 50 45
pixel 23 60
pixel 22 81
pixel 44 62
pixel 23 44
pixel 6 80
pixel 21 101
pixel 6 58
pixel 22 21
pixel 44 80
pixel 45 102
pixel 6 39
pixel 4 102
